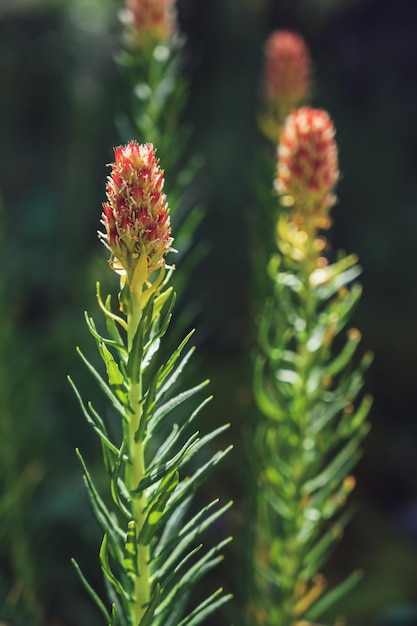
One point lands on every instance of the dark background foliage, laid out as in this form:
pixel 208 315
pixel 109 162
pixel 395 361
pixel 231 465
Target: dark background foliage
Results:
pixel 61 95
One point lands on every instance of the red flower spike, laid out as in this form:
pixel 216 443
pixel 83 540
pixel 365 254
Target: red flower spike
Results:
pixel 287 69
pixel 149 22
pixel 136 214
pixel 308 167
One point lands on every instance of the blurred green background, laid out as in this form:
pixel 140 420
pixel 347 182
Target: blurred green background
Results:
pixel 62 97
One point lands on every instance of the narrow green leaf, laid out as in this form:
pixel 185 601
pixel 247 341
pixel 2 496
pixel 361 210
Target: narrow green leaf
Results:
pixel 97 424
pixel 186 486
pixel 105 566
pixel 196 572
pixel 117 485
pixel 114 616
pixel 340 462
pixel 345 356
pixel 91 592
pixel 324 412
pixel 342 273
pixel 130 560
pixel 267 404
pixel 171 362
pixel 355 421
pixel 167 446
pixel 109 342
pixel 148 408
pixel 173 536
pixel 343 307
pixel 206 608
pixel 155 474
pixel 116 379
pixel 154 514
pixel 333 596
pixel 203 441
pixel 111 325
pixel 317 555
pixel 103 516
pixel 172 526
pixel 173 574
pixel 173 403
pixel 104 386
pixel 190 533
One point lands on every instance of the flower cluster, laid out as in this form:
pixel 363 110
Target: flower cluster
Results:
pixel 307 173
pixel 136 214
pixel 287 69
pixel 287 82
pixel 308 162
pixel 149 22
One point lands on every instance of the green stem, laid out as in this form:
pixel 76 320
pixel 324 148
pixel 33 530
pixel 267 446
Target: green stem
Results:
pixel 298 462
pixel 137 472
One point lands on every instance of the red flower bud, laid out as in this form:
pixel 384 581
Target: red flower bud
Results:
pixel 287 69
pixel 136 214
pixel 149 22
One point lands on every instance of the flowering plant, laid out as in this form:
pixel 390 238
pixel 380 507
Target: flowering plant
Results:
pixel 149 549
pixel 307 390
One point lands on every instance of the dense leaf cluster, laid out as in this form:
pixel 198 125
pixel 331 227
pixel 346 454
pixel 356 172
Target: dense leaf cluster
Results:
pixel 177 559
pixel 308 388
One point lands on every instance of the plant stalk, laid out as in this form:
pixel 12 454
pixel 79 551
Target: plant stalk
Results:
pixel 137 471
